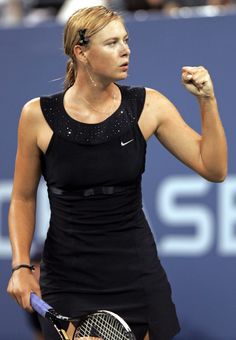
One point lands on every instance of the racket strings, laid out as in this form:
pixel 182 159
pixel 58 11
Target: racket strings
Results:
pixel 104 326
pixel 109 329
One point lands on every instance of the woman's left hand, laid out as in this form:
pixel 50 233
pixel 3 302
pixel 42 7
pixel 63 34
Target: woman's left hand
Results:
pixel 197 81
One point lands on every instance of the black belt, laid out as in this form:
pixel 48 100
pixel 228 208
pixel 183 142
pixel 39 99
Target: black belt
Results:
pixel 106 190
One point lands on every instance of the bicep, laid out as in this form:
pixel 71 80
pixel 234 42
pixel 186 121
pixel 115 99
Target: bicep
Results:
pixel 178 137
pixel 27 165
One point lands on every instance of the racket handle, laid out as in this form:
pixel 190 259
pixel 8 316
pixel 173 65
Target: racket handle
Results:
pixel 39 305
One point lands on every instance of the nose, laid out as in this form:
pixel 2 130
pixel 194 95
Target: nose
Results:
pixel 124 49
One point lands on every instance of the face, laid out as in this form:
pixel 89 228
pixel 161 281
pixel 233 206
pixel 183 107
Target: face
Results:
pixel 108 52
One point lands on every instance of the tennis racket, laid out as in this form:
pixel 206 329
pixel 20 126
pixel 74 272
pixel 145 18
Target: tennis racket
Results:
pixel 102 325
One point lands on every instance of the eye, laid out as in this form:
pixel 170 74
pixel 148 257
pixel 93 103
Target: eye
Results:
pixel 111 43
pixel 126 40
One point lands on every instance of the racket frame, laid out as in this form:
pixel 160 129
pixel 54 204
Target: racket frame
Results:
pixel 48 312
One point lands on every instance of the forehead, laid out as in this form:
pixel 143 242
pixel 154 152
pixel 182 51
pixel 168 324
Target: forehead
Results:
pixel 114 29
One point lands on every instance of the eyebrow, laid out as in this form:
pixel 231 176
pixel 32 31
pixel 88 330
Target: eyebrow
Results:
pixel 115 38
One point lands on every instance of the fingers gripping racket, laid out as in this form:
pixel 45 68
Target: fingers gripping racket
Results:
pixel 103 325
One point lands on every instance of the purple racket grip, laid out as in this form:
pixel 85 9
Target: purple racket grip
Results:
pixel 39 305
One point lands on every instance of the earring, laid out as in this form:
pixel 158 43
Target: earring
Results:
pixel 90 77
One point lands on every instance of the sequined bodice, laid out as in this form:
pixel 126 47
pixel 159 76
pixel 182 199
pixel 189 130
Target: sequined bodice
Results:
pixel 83 155
pixel 64 125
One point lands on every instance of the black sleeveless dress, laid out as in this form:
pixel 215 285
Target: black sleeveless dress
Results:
pixel 99 251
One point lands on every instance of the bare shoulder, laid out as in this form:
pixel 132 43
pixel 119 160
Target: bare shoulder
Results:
pixel 160 107
pixel 152 93
pixel 31 111
pixel 30 122
pixel 31 117
pixel 157 108
pixel 157 100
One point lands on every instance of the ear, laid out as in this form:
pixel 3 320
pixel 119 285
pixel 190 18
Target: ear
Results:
pixel 80 54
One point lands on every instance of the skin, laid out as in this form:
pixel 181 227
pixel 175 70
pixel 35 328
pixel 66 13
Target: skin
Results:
pixel 101 61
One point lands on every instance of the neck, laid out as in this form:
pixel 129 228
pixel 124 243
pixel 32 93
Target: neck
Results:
pixel 101 100
pixel 95 94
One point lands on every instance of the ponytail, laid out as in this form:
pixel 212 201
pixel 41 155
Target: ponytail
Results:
pixel 70 75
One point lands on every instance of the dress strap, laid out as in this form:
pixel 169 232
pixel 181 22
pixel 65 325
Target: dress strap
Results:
pixel 135 99
pixel 50 106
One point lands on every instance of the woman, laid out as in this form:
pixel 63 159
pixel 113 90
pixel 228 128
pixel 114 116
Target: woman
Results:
pixel 89 142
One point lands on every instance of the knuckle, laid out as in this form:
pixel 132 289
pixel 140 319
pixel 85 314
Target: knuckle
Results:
pixel 10 290
pixel 25 303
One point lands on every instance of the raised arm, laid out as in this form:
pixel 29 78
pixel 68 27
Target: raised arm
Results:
pixel 205 153
pixel 23 205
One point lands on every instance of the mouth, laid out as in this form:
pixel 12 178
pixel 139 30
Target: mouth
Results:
pixel 124 66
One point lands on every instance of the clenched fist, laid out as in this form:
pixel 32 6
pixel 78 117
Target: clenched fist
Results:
pixel 197 81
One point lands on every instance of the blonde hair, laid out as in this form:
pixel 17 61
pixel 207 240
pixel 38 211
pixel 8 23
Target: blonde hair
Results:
pixel 92 19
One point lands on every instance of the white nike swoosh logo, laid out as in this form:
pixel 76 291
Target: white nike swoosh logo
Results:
pixel 125 143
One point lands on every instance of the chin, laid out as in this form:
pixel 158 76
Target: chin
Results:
pixel 122 76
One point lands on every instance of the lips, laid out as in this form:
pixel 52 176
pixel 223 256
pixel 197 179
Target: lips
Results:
pixel 124 64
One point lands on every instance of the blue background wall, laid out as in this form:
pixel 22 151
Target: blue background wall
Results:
pixel 193 220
